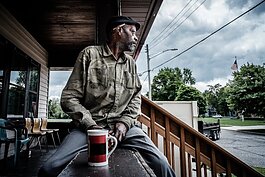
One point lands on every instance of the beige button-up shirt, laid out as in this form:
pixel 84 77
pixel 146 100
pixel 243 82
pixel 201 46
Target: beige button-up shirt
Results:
pixel 102 90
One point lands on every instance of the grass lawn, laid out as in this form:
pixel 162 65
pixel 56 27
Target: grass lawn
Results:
pixel 233 122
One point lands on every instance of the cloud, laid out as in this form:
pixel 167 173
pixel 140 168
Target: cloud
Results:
pixel 202 86
pixel 245 4
pixel 59 77
pixel 58 80
pixel 210 60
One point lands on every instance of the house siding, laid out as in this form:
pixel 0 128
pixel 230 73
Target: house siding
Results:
pixel 22 39
pixel 13 31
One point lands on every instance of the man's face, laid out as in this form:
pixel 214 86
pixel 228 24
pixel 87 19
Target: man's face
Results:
pixel 128 37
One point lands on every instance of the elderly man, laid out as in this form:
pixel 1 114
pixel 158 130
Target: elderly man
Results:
pixel 104 92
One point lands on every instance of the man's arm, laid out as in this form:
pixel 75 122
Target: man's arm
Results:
pixel 129 117
pixel 133 109
pixel 72 94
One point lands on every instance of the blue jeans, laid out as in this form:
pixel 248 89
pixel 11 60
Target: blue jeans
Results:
pixel 135 139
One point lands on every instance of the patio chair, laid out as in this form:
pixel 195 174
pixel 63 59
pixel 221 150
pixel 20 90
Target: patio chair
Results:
pixel 44 122
pixel 33 127
pixel 9 133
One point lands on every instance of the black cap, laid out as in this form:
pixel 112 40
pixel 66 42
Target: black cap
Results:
pixel 118 20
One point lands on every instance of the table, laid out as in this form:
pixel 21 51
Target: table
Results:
pixel 122 163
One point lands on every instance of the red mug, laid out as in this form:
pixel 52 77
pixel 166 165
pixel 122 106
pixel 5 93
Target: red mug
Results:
pixel 98 146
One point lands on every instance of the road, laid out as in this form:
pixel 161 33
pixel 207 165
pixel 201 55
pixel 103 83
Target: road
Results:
pixel 249 148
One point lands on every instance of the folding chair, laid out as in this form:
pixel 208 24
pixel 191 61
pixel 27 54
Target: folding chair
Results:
pixel 11 134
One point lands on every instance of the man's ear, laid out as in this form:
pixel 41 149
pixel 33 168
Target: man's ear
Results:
pixel 117 30
pixel 121 30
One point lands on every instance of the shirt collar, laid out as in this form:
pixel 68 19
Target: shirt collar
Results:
pixel 106 52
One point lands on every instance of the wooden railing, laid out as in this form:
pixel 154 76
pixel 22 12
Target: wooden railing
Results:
pixel 186 149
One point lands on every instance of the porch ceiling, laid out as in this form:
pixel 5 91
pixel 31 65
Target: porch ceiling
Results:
pixel 64 27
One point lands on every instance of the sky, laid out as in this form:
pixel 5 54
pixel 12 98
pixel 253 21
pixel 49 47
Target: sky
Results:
pixel 181 24
pixel 211 60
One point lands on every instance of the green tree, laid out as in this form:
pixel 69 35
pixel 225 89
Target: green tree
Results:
pixel 187 77
pixel 246 90
pixel 222 105
pixel 21 79
pixel 189 93
pixel 55 111
pixel 167 82
pixel 211 96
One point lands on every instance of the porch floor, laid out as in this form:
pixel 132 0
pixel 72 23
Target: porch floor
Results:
pixel 27 167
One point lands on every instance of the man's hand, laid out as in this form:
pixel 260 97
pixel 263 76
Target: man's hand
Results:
pixel 120 131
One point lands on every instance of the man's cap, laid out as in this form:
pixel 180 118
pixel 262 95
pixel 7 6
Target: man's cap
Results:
pixel 118 20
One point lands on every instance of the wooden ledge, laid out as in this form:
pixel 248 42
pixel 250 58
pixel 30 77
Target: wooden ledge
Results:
pixel 122 162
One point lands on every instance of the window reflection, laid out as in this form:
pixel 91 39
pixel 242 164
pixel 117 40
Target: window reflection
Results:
pixel 19 82
pixel 16 91
pixel 16 100
pixel 32 105
pixel 18 78
pixel 34 79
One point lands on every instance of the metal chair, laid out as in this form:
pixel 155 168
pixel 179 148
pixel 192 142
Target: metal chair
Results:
pixel 9 133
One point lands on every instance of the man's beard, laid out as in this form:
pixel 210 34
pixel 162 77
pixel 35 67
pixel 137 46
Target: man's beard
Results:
pixel 131 46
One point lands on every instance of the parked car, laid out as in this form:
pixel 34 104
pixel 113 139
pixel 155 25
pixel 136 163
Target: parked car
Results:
pixel 217 116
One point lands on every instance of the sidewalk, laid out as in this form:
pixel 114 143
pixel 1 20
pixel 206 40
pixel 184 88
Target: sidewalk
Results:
pixel 239 128
pixel 244 144
pixel 256 130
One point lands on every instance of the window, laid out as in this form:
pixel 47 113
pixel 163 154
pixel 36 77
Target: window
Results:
pixel 17 85
pixel 33 91
pixel 19 82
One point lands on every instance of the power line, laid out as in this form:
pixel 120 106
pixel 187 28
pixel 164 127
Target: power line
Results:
pixel 144 81
pixel 145 78
pixel 142 73
pixel 182 22
pixel 158 41
pixel 166 28
pixel 166 31
pixel 209 35
pixel 155 55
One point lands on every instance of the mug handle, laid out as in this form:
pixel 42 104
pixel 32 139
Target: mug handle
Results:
pixel 115 144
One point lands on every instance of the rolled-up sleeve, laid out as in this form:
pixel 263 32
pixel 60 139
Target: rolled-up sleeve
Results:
pixel 73 93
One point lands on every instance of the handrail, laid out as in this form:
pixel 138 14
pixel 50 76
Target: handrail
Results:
pixel 190 144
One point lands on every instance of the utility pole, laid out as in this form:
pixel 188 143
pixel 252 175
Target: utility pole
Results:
pixel 148 71
pixel 148 67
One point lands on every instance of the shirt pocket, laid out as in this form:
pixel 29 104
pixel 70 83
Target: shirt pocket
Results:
pixel 98 78
pixel 129 80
